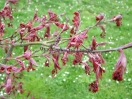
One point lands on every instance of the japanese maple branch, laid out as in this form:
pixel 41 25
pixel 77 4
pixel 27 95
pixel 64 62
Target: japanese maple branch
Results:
pixel 93 51
pixel 129 45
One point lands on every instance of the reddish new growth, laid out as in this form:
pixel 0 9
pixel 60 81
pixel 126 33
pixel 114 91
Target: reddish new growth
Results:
pixel 120 67
pixel 39 31
pixel 118 19
pixel 6 12
pixel 55 58
pixel 65 58
pixel 93 86
pixel 100 17
pixel 27 56
pixel 77 40
pixel 76 20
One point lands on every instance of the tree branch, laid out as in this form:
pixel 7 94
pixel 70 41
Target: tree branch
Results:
pixel 129 45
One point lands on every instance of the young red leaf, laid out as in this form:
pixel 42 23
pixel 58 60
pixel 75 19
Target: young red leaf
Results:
pixel 120 67
pixel 6 12
pixel 27 54
pixel 8 69
pixel 16 69
pixel 99 72
pixel 29 25
pixel 32 61
pixel 35 17
pixel 118 19
pixel 102 35
pixel 77 40
pixel 100 58
pixel 47 32
pixel 8 86
pixel 20 88
pixel 53 16
pixel 39 27
pixel 96 60
pixel 56 64
pixel 2 68
pixel 94 43
pixel 87 68
pixel 32 37
pixel 64 58
pixel 21 63
pixel 78 58
pixel 64 27
pixel 76 20
pixel 55 58
pixel 102 44
pixel 99 17
pixel 72 32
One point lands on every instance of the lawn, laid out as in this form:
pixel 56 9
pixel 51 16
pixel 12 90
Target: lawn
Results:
pixel 71 82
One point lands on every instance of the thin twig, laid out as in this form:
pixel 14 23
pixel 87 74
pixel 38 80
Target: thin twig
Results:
pixel 8 54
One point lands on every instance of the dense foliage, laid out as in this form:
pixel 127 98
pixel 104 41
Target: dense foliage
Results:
pixel 46 37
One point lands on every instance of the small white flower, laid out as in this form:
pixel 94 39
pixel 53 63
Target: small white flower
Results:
pixel 64 80
pixel 129 79
pixel 74 81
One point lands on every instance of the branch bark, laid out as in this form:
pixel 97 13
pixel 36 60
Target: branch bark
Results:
pixel 126 46
pixel 129 45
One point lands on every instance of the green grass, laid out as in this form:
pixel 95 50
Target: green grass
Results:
pixel 71 82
